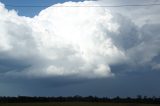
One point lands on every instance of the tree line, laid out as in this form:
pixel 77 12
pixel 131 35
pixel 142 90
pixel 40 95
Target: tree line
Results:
pixel 77 98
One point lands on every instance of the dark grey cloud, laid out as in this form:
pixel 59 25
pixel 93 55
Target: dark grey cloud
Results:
pixel 131 84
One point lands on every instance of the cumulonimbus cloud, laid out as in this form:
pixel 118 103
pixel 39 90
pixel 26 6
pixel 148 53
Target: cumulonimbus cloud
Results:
pixel 66 41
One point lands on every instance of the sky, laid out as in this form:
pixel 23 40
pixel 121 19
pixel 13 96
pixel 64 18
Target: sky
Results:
pixel 32 11
pixel 65 51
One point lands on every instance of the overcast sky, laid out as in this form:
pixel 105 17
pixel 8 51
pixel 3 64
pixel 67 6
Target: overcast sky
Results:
pixel 65 51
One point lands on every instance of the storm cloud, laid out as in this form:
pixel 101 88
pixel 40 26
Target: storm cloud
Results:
pixel 65 51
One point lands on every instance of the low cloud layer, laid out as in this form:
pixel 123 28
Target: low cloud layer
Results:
pixel 74 41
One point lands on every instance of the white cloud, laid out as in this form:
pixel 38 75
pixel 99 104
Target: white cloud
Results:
pixel 69 41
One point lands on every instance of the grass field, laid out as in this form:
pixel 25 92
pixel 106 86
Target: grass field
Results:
pixel 76 104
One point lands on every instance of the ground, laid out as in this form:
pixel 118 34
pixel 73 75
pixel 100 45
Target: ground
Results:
pixel 76 104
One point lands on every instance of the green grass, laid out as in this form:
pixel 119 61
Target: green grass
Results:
pixel 76 104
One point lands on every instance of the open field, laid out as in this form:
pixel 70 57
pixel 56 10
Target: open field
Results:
pixel 76 104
